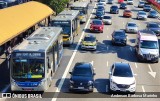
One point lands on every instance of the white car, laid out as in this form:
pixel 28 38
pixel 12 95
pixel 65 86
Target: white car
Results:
pixel 141 15
pixel 130 2
pixel 107 20
pixel 131 27
pixel 103 1
pixel 122 78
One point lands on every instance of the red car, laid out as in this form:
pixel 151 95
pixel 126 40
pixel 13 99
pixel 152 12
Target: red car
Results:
pixel 120 1
pixel 97 26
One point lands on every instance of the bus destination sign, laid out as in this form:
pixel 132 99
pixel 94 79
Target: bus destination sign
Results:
pixel 28 55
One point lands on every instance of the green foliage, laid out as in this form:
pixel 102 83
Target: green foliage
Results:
pixel 56 5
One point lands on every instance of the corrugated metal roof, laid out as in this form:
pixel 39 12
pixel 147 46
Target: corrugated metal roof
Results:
pixel 17 19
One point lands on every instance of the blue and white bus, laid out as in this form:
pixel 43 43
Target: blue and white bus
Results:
pixel 35 60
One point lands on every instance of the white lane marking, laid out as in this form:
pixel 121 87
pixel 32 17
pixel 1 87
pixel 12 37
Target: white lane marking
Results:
pixel 6 88
pixel 92 63
pixel 71 60
pixel 151 71
pixel 136 65
pixel 143 88
pixel 123 23
pixel 107 63
pixel 131 48
pixel 107 36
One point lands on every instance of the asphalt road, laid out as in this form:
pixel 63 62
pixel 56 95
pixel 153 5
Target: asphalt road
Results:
pixel 102 59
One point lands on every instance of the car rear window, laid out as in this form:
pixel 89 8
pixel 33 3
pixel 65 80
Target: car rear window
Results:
pixel 107 17
pixel 97 22
pixel 119 34
pixel 82 71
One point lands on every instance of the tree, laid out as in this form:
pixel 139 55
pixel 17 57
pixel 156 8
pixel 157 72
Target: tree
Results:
pixel 56 5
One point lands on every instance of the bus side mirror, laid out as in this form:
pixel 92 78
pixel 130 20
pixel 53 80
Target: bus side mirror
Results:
pixel 70 73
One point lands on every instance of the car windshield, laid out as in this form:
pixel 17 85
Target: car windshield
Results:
pixel 127 11
pixel 92 39
pixel 132 24
pixel 97 22
pixel 119 34
pixel 82 71
pixel 123 4
pixel 147 6
pixel 122 71
pixel 154 26
pixel 153 12
pixel 149 44
pixel 114 7
pixel 100 7
pixel 107 17
pixel 141 2
pixel 99 13
pixel 130 0
pixel 142 13
pixel 28 68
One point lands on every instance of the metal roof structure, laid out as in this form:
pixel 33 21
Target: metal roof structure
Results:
pixel 17 19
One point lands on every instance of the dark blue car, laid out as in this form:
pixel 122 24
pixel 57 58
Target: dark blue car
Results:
pixel 82 77
pixel 123 6
pixel 153 14
pixel 114 9
pixel 99 14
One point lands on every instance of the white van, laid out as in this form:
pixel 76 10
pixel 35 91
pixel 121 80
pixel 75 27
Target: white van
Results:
pixel 147 46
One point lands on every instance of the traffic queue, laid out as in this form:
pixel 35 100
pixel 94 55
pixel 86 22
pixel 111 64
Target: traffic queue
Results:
pixel 121 75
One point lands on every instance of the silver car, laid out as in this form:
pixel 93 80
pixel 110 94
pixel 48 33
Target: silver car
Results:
pixel 107 20
pixel 141 4
pixel 141 15
pixel 131 27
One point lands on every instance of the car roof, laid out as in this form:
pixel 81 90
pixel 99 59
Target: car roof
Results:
pixel 122 65
pixel 90 35
pixel 142 12
pixel 119 31
pixel 82 65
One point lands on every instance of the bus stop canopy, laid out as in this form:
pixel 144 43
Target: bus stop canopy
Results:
pixel 17 19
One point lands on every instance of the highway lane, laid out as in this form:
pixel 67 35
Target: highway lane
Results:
pixel 145 82
pixel 104 57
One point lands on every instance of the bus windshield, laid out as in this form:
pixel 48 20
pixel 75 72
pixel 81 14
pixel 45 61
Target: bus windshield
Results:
pixel 65 26
pixel 28 68
pixel 149 44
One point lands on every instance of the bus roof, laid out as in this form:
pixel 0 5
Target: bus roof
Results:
pixel 67 15
pixel 40 40
pixel 17 19
pixel 80 4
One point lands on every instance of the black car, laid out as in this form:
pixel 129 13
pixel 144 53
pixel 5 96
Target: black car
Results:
pixel 119 37
pixel 147 8
pixel 114 9
pixel 153 14
pixel 155 27
pixel 123 6
pixel 82 77
pixel 99 14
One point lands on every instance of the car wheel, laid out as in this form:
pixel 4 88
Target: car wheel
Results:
pixel 157 61
pixel 137 18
